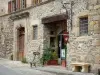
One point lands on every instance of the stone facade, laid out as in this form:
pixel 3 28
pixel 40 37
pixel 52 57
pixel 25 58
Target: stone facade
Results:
pixel 3 7
pixel 79 49
pixel 85 48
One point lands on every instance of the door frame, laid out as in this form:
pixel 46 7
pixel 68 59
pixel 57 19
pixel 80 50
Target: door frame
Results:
pixel 18 41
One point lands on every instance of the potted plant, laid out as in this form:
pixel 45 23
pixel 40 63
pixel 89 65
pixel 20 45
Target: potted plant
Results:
pixel 49 57
pixel 54 60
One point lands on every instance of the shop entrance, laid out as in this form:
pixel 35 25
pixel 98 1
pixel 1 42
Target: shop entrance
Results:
pixel 62 47
pixel 55 34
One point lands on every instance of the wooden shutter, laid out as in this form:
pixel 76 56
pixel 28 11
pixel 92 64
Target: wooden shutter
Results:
pixel 33 2
pixel 16 4
pixel 39 1
pixel 36 2
pixel 25 3
pixel 18 1
pixel 9 7
pixel 21 4
pixel 13 6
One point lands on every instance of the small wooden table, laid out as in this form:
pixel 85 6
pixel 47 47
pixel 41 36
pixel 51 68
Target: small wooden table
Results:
pixel 80 67
pixel 33 61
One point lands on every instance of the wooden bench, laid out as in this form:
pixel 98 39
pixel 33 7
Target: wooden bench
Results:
pixel 80 67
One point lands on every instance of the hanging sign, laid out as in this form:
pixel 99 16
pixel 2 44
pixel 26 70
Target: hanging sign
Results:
pixel 66 36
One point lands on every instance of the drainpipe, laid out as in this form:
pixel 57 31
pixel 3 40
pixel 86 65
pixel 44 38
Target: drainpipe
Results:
pixel 69 15
pixel 69 12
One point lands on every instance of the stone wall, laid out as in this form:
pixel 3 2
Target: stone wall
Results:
pixel 6 35
pixel 85 48
pixel 3 7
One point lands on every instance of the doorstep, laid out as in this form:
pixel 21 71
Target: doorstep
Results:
pixel 59 70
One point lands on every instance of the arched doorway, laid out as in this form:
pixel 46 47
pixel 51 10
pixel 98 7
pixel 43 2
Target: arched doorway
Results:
pixel 20 45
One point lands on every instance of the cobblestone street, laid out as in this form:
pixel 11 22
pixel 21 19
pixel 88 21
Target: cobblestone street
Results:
pixel 12 69
pixel 17 68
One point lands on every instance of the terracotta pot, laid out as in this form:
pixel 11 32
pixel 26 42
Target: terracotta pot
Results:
pixel 52 62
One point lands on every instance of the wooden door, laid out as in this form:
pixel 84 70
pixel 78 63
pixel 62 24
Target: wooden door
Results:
pixel 21 43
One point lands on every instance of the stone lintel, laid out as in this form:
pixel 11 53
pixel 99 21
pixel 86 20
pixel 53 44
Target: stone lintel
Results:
pixel 53 18
pixel 19 16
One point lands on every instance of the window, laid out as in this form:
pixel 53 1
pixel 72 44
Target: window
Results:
pixel 23 4
pixel 83 25
pixel 35 32
pixel 36 2
pixel 16 5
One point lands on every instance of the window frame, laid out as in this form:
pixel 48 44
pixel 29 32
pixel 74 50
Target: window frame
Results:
pixel 82 31
pixel 36 32
pixel 23 4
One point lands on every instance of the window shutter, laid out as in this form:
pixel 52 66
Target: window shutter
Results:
pixel 25 3
pixel 21 2
pixel 9 7
pixel 36 2
pixel 33 2
pixel 13 6
pixel 18 4
pixel 39 1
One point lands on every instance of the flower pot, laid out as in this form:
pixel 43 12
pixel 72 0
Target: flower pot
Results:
pixel 52 62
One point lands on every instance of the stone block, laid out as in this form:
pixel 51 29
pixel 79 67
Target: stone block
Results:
pixel 96 42
pixel 92 2
pixel 97 58
pixel 96 27
pixel 91 7
pixel 96 31
pixel 97 7
pixel 95 17
pixel 91 25
pixel 76 31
